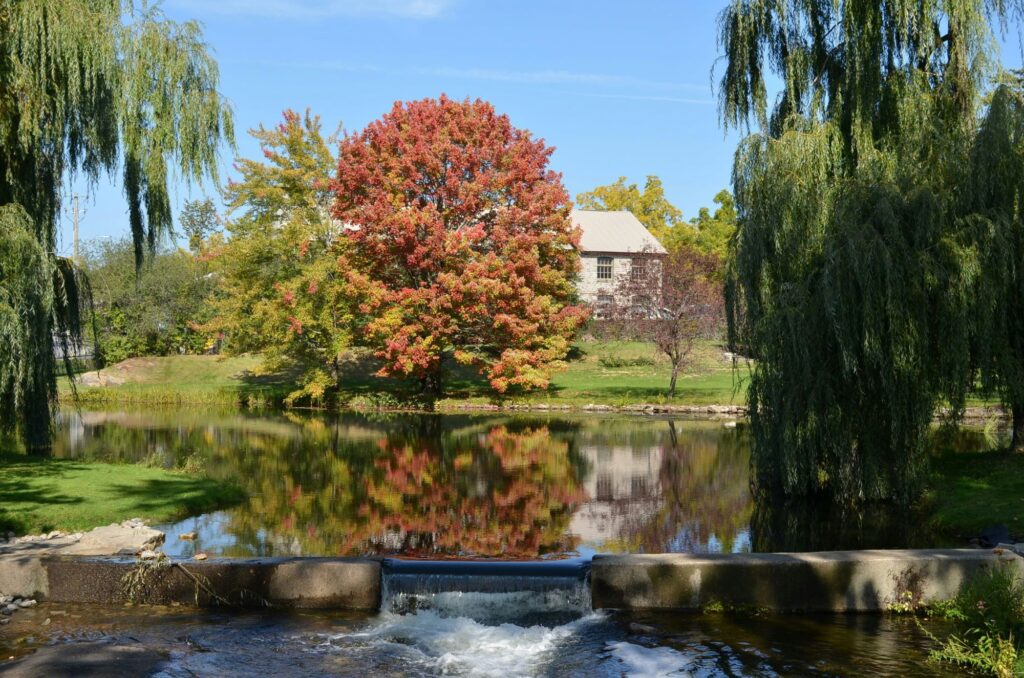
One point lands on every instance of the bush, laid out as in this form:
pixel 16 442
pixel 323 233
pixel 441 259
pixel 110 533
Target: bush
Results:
pixel 611 361
pixel 988 615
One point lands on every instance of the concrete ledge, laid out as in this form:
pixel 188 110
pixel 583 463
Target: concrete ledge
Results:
pixel 297 583
pixel 826 581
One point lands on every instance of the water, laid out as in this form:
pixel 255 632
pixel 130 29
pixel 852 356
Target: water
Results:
pixel 479 634
pixel 493 520
pixel 463 486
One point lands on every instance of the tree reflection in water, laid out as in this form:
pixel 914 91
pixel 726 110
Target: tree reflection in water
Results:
pixel 448 486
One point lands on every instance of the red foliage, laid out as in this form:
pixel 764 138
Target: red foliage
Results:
pixel 464 235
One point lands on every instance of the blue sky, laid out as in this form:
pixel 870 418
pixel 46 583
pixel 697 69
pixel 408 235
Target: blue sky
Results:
pixel 620 89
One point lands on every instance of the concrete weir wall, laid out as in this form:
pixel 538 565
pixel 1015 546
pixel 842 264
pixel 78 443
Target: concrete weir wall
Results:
pixel 848 581
pixel 338 583
pixel 854 581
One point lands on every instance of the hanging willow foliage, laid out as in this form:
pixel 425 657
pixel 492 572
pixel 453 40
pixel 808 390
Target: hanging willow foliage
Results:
pixel 87 87
pixel 851 282
pixel 994 226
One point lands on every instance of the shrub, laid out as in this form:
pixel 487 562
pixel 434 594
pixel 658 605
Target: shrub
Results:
pixel 611 361
pixel 988 615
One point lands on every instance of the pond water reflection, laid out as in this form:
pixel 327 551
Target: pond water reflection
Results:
pixel 467 486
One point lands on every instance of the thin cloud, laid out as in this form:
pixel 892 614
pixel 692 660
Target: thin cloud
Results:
pixel 641 97
pixel 541 77
pixel 556 77
pixel 318 9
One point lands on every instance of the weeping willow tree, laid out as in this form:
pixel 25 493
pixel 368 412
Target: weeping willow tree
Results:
pixel 851 283
pixel 87 88
pixel 994 226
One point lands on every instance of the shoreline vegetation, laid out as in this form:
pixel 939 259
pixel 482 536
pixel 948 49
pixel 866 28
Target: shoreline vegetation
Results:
pixel 620 375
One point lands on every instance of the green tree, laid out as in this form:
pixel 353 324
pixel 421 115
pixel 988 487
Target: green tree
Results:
pixel 152 310
pixel 199 221
pixel 650 205
pixel 994 226
pixel 287 289
pixel 708 233
pixel 849 285
pixel 91 87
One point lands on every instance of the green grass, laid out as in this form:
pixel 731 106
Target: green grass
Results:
pixel 39 494
pixel 974 490
pixel 185 380
pixel 642 378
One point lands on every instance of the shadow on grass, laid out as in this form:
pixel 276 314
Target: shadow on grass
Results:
pixel 190 495
pixel 28 505
pixel 16 488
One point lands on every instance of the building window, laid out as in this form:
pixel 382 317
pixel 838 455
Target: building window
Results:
pixel 604 268
pixel 638 271
pixel 603 307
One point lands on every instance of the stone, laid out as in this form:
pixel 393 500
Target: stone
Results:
pixel 149 554
pixel 200 556
pixel 55 534
pixel 114 540
pixel 187 536
pixel 27 603
pixel 4 620
pixel 99 379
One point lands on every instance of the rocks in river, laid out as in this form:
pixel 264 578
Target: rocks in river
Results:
pixel 200 556
pixel 149 554
pixel 11 604
pixel 187 536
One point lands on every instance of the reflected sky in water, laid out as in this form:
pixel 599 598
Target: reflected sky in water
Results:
pixel 458 486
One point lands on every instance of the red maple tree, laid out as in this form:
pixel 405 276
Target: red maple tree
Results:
pixel 464 235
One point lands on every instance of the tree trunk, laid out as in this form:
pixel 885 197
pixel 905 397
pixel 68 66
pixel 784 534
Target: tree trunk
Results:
pixel 1017 426
pixel 672 382
pixel 432 385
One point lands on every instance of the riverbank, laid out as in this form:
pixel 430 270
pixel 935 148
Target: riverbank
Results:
pixel 40 494
pixel 614 375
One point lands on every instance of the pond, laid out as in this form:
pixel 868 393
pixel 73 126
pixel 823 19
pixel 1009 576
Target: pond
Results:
pixel 473 486
pixel 513 487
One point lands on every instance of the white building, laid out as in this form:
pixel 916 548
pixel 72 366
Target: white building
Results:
pixel 611 245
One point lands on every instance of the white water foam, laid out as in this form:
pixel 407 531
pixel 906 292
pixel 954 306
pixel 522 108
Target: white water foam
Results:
pixel 462 646
pixel 638 660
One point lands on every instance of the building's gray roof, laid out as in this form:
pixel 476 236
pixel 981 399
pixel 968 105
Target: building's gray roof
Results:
pixel 614 232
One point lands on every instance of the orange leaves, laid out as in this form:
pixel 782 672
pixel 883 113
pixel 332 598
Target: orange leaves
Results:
pixel 464 235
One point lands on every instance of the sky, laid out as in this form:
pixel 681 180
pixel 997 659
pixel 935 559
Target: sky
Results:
pixel 619 89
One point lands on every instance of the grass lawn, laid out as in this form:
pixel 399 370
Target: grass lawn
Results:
pixel 974 490
pixel 611 373
pixel 41 494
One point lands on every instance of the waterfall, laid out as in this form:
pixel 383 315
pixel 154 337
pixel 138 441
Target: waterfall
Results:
pixel 487 591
